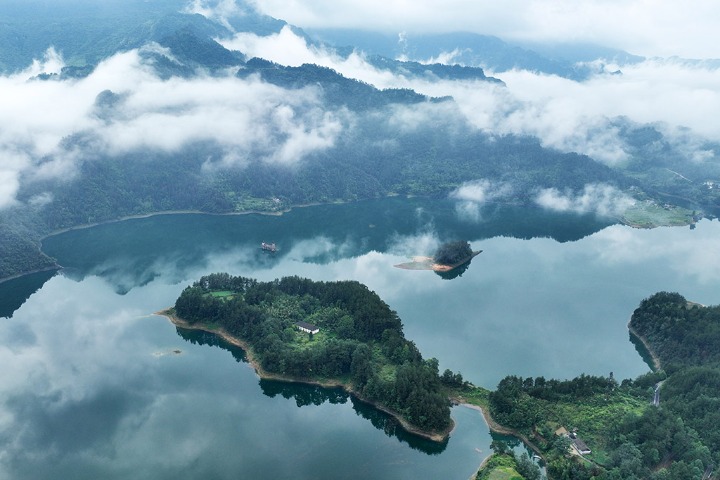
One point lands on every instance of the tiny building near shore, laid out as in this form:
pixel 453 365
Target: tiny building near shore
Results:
pixel 307 327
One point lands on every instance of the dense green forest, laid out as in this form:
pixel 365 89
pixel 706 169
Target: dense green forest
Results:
pixel 360 342
pixel 681 333
pixel 686 338
pixel 630 436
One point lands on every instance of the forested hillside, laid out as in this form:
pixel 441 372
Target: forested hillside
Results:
pixel 377 154
pixel 686 338
pixel 319 136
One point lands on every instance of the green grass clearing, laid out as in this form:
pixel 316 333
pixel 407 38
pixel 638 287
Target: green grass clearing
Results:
pixel 648 214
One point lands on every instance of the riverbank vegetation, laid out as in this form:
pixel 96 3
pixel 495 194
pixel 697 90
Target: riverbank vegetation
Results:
pixel 681 333
pixel 359 343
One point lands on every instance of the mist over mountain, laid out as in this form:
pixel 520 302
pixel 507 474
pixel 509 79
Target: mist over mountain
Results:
pixel 474 50
pixel 124 108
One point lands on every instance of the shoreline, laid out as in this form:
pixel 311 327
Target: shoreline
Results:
pixel 272 213
pixel 168 212
pixel 481 467
pixel 150 215
pixel 55 267
pixel 264 374
pixel 495 427
pixel 655 359
pixel 289 208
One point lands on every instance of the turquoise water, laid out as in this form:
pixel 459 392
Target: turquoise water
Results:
pixel 94 387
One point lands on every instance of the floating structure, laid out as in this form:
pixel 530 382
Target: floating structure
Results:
pixel 268 247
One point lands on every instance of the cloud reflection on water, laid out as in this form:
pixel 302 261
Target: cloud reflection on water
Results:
pixel 85 396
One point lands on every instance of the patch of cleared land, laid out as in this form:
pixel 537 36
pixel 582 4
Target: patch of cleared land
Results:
pixel 648 214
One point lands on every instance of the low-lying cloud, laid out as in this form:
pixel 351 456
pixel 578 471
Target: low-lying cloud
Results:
pixel 124 106
pixel 647 28
pixel 288 48
pixel 471 196
pixel 220 11
pixel 672 95
pixel 41 121
pixel 599 199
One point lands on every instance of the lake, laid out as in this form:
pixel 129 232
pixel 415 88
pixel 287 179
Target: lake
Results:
pixel 95 386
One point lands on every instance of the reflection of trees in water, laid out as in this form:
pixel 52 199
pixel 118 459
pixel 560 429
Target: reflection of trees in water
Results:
pixel 455 272
pixel 13 293
pixel 303 394
pixel 200 337
pixel 642 350
pixel 135 252
pixel 392 428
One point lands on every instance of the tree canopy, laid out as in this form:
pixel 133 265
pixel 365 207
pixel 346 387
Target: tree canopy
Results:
pixel 452 253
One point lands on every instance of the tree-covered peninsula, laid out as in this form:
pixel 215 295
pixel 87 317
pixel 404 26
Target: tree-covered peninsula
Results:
pixel 685 338
pixel 328 333
pixel 664 425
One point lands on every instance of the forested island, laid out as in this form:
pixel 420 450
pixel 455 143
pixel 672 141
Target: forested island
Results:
pixel 329 333
pixel 664 425
pixel 453 254
pixel 446 258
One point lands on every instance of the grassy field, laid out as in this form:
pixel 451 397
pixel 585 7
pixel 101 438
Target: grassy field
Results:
pixel 477 396
pixel 227 294
pixel 648 214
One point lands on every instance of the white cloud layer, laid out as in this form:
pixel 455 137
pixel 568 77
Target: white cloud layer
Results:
pixel 220 10
pixel 599 199
pixel 471 196
pixel 564 114
pixel 252 119
pixel 248 118
pixel 659 28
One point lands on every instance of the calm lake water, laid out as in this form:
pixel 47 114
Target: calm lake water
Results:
pixel 94 386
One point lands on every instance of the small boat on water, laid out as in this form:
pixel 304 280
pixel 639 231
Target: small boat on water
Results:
pixel 268 247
